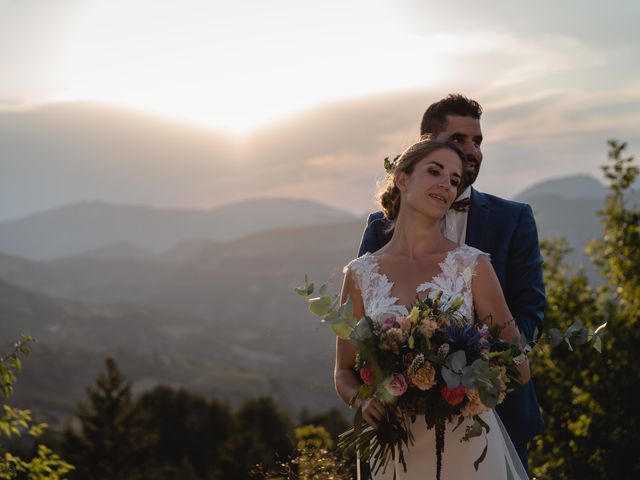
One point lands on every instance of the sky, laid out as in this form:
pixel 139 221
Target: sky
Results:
pixel 238 65
pixel 556 78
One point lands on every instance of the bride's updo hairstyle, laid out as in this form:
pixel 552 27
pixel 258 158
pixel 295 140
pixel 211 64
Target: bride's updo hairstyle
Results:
pixel 389 197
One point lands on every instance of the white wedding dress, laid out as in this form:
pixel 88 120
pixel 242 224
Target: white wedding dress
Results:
pixel 501 461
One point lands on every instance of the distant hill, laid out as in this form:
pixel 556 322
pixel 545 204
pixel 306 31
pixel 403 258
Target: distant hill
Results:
pixel 67 152
pixel 220 307
pixel 151 346
pixel 575 186
pixel 568 207
pixel 104 230
pixel 227 305
pixel 63 153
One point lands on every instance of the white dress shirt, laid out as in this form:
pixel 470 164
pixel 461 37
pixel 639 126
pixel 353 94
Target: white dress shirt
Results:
pixel 454 224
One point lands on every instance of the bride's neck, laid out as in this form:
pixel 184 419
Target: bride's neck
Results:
pixel 416 236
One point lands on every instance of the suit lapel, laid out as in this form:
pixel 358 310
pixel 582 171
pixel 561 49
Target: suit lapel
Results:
pixel 476 221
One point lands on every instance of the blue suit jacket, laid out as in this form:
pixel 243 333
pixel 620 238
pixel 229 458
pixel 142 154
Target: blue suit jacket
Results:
pixel 507 231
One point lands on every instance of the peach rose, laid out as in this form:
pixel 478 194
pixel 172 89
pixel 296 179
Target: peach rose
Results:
pixel 425 377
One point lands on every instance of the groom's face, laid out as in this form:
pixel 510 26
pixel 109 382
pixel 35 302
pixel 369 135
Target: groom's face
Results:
pixel 467 134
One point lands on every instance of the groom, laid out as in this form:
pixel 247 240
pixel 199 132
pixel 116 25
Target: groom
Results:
pixel 504 229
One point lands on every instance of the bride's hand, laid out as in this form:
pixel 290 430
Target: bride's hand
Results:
pixel 372 411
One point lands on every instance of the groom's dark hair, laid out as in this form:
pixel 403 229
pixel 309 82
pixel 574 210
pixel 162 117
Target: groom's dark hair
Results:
pixel 434 120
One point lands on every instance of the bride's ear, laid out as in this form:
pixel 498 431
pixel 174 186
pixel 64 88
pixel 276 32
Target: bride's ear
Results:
pixel 401 181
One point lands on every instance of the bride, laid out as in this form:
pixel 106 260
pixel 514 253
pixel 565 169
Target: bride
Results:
pixel 419 260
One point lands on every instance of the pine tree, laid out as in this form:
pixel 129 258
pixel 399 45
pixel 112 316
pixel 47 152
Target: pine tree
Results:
pixel 111 443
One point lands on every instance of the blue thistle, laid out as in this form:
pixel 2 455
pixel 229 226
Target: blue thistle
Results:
pixel 466 337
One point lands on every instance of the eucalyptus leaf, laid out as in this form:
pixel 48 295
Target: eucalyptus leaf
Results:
pixel 323 290
pixel 489 396
pixel 597 343
pixel 575 327
pixel 305 290
pixel 332 317
pixel 555 337
pixel 342 330
pixel 361 332
pixel 452 378
pixel 320 306
pixel 456 361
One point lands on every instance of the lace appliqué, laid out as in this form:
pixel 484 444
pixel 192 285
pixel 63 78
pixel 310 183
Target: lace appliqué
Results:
pixel 375 288
pixel 454 280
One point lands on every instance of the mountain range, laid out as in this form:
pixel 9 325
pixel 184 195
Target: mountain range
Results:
pixel 104 229
pixel 213 315
pixel 68 152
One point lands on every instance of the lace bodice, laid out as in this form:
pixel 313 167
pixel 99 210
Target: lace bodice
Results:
pixel 454 280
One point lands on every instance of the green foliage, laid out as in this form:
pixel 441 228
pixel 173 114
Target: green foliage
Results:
pixel 112 442
pixel 188 430
pixel 261 436
pixel 11 363
pixel 339 317
pixel 45 464
pixel 589 400
pixel 332 421
pixel 173 434
pixel 315 459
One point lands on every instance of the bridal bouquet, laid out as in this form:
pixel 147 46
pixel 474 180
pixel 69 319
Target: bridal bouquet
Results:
pixel 433 362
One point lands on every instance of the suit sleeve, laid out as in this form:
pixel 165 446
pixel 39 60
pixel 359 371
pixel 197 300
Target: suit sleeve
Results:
pixel 527 294
pixel 370 239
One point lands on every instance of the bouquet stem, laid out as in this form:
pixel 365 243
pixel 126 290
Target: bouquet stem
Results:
pixel 440 429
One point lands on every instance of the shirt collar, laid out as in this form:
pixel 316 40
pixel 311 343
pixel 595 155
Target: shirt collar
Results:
pixel 465 194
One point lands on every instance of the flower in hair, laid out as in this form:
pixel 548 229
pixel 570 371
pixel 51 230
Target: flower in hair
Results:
pixel 390 165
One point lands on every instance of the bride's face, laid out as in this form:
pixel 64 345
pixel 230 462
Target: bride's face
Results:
pixel 433 185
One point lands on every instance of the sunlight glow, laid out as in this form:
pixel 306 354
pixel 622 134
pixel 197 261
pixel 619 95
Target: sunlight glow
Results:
pixel 222 67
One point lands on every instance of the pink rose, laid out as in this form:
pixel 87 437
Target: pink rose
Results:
pixel 366 374
pixel 396 384
pixel 453 396
pixel 389 323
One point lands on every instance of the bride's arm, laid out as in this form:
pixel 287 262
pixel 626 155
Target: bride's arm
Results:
pixel 491 307
pixel 346 382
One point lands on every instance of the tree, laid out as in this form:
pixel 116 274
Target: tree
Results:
pixel 261 436
pixel 332 420
pixel 45 464
pixel 589 400
pixel 188 430
pixel 111 442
